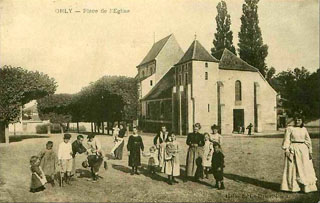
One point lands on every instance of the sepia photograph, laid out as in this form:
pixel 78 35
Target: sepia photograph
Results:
pixel 159 101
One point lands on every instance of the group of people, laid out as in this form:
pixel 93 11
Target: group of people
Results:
pixel 49 166
pixel 204 154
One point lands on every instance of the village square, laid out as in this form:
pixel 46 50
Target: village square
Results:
pixel 192 115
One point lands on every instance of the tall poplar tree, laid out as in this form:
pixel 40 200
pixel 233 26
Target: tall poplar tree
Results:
pixel 251 47
pixel 223 36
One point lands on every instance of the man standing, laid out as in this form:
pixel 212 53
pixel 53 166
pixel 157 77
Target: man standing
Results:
pixel 77 147
pixel 249 127
pixel 159 142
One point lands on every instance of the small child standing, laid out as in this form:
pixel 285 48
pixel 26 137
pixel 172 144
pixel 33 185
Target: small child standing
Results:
pixel 38 178
pixel 49 162
pixel 171 165
pixel 218 165
pixel 65 158
pixel 153 161
pixel 207 154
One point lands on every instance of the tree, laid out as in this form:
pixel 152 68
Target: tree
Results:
pixel 18 87
pixel 270 74
pixel 111 98
pixel 300 91
pixel 223 36
pixel 55 108
pixel 251 47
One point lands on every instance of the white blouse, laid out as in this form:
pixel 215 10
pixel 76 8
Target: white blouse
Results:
pixel 296 134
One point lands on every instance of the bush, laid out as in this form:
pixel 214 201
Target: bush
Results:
pixel 82 128
pixel 43 128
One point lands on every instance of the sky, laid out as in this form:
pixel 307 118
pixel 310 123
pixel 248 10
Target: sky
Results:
pixel 77 48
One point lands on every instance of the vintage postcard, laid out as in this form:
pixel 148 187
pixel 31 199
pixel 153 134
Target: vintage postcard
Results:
pixel 159 101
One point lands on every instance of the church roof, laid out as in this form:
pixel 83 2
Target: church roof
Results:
pixel 198 53
pixel 163 89
pixel 155 50
pixel 229 61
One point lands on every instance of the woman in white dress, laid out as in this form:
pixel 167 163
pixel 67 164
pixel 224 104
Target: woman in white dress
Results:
pixel 298 171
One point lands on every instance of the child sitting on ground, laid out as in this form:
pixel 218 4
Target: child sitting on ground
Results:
pixel 38 178
pixel 49 162
pixel 218 165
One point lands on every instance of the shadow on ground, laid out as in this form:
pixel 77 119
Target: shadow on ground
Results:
pixel 143 170
pixel 252 181
pixel 18 138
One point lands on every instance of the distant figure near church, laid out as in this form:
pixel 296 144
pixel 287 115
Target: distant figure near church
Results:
pixel 249 127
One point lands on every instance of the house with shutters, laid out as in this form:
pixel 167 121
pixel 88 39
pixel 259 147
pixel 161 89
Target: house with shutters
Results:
pixel 199 88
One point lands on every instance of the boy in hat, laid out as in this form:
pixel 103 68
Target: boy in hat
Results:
pixel 65 159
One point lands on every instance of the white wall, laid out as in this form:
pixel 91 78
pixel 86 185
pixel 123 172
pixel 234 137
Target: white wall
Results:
pixel 204 93
pixel 145 85
pixel 169 55
pixel 266 99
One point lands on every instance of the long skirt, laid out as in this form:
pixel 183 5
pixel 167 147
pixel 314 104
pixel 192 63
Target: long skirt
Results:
pixel 37 182
pixel 161 154
pixel 118 151
pixel 134 157
pixel 172 166
pixel 299 170
pixel 194 162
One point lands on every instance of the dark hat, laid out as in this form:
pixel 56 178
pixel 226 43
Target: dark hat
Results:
pixel 197 125
pixel 214 126
pixel 67 136
pixel 91 136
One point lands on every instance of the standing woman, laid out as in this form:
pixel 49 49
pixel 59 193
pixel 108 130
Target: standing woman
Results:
pixel 298 171
pixel 195 141
pixel 118 147
pixel 135 146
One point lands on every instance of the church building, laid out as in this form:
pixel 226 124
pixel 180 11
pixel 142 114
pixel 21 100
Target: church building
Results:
pixel 194 87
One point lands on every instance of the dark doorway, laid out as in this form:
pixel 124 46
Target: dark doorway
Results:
pixel 238 119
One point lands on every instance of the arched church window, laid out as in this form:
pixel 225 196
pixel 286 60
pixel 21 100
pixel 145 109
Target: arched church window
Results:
pixel 238 91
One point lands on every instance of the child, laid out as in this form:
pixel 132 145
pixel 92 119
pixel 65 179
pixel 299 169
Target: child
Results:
pixel 207 154
pixel 65 158
pixel 218 165
pixel 134 147
pixel 153 161
pixel 215 136
pixel 171 164
pixel 49 162
pixel 38 179
pixel 95 156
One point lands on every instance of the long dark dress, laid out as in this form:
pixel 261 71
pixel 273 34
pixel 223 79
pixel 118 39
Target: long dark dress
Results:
pixel 119 150
pixel 217 162
pixel 135 145
pixel 37 179
pixel 194 156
